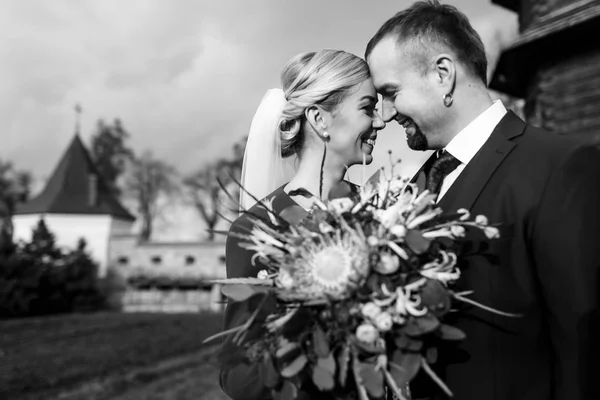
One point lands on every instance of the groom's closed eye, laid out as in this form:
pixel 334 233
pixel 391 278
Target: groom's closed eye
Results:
pixel 387 91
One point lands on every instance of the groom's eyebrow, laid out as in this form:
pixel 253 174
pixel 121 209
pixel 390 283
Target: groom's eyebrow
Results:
pixel 387 89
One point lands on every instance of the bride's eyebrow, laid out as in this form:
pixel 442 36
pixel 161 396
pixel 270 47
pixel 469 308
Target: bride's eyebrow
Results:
pixel 368 97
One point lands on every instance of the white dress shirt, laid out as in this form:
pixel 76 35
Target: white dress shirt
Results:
pixel 470 140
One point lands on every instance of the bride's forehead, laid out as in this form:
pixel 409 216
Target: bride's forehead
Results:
pixel 365 88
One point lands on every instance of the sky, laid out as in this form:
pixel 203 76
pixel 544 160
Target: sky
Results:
pixel 184 76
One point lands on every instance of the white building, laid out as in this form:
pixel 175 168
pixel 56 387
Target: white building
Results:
pixel 76 203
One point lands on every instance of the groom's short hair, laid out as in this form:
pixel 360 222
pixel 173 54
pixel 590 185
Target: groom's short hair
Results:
pixel 431 23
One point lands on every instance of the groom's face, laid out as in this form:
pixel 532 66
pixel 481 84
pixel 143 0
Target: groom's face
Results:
pixel 408 95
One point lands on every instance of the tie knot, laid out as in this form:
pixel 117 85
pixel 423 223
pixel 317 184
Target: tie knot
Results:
pixel 439 169
pixel 445 163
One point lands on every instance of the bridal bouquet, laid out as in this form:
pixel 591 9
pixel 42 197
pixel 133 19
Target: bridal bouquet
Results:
pixel 353 296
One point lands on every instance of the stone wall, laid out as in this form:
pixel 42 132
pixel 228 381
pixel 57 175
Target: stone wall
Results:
pixel 173 301
pixel 185 261
pixel 197 259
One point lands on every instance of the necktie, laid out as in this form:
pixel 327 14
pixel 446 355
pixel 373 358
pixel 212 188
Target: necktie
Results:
pixel 439 169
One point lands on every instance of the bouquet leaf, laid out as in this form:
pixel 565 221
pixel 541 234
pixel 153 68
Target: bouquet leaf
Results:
pixel 328 364
pixel 288 391
pixel 294 368
pixel 435 297
pixel 421 325
pixel 405 342
pixel 431 355
pixel 239 292
pixel 323 375
pixel 372 183
pixel 371 378
pixel 417 243
pixel 448 332
pixel 320 342
pixel 269 375
pixel 230 354
pixel 404 367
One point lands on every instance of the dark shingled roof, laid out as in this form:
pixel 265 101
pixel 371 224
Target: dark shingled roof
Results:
pixel 562 33
pixel 510 4
pixel 68 189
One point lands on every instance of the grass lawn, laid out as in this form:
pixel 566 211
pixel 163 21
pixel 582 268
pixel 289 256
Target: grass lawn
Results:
pixel 41 357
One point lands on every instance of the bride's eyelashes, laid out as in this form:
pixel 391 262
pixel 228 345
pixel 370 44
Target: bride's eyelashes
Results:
pixel 370 108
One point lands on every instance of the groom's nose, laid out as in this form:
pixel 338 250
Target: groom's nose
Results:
pixel 388 111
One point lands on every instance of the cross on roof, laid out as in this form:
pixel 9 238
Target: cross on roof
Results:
pixel 78 111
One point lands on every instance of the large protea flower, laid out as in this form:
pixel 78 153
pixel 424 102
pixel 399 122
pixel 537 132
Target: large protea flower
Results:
pixel 329 265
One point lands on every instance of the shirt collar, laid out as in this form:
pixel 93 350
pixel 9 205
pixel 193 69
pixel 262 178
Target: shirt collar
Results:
pixel 467 142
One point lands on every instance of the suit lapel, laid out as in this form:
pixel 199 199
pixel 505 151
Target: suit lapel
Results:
pixel 467 188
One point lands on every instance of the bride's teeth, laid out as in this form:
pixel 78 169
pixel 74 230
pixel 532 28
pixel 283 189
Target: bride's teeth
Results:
pixel 370 142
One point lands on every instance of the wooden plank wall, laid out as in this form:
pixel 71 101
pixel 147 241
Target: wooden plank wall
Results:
pixel 565 96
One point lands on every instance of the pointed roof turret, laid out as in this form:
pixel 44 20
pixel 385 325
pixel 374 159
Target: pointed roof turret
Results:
pixel 75 187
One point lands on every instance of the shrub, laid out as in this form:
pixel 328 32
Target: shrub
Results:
pixel 37 278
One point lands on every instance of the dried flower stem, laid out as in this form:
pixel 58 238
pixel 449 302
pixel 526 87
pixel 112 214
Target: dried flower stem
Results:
pixel 435 378
pixel 490 309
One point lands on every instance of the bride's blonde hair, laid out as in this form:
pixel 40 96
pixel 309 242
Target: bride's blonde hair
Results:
pixel 323 78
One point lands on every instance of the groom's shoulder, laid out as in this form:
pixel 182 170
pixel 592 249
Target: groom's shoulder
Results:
pixel 539 143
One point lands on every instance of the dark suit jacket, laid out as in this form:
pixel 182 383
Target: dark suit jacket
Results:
pixel 243 381
pixel 545 191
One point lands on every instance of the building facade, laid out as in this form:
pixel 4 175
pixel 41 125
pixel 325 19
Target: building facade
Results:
pixel 555 64
pixel 76 203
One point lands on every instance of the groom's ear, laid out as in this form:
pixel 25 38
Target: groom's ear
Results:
pixel 315 117
pixel 445 69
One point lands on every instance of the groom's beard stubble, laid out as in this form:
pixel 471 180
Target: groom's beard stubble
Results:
pixel 417 141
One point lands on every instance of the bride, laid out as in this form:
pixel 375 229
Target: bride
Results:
pixel 304 136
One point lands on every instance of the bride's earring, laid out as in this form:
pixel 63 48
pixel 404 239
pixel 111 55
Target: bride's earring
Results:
pixel 325 134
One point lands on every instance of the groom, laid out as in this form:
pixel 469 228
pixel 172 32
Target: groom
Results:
pixel 429 65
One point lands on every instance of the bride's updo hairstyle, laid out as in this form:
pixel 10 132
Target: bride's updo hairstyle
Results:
pixel 324 78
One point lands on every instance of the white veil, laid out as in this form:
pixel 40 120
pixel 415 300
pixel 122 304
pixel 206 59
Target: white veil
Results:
pixel 263 169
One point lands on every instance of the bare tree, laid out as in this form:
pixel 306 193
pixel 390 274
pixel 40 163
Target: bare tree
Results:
pixel 148 179
pixel 205 191
pixel 15 188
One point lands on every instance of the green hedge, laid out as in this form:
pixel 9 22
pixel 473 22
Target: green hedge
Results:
pixel 29 286
pixel 37 278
